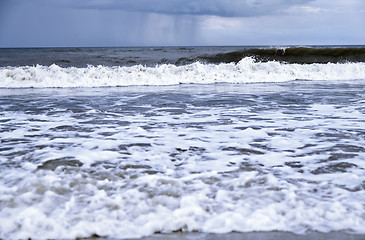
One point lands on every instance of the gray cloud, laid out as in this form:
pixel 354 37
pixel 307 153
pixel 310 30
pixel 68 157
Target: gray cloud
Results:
pixel 37 23
pixel 224 8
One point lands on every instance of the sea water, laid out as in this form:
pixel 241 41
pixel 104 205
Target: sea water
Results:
pixel 181 148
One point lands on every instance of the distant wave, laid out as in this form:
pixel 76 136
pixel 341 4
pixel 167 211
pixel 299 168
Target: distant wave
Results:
pixel 302 55
pixel 179 56
pixel 247 70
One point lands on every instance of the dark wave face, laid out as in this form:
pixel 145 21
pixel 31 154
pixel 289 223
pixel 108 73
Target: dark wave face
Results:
pixel 82 57
pixel 302 55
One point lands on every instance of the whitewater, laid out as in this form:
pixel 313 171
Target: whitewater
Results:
pixel 153 142
pixel 245 71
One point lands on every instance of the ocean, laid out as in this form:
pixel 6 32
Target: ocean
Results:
pixel 134 142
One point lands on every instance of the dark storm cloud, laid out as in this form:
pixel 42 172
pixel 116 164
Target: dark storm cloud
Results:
pixel 225 8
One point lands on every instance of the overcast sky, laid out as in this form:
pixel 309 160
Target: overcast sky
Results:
pixel 61 23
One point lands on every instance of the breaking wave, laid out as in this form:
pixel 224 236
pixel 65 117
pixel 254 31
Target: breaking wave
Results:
pixel 247 70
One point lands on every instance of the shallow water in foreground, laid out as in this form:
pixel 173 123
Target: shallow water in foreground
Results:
pixel 132 161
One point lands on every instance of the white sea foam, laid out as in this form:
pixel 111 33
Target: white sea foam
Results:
pixel 125 163
pixel 167 176
pixel 245 71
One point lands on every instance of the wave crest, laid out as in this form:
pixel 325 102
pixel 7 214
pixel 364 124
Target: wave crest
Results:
pixel 247 70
